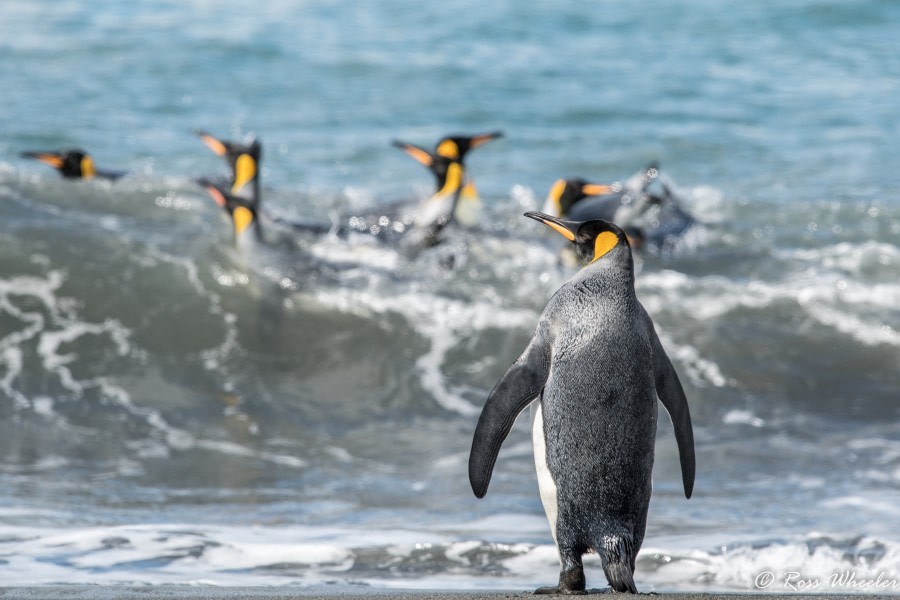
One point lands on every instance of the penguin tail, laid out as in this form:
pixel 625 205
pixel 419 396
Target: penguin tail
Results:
pixel 618 564
pixel 620 577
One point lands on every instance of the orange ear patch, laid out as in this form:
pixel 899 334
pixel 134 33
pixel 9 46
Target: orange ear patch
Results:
pixel 448 149
pixel 605 242
pixel 244 172
pixel 87 167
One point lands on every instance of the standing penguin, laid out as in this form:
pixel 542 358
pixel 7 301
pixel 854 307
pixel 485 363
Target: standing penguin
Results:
pixel 596 367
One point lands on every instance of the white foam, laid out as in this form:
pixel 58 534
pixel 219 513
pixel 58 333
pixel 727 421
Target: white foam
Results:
pixel 443 321
pixel 868 333
pixel 742 417
pixel 62 326
pixel 847 303
pixel 700 370
pixel 43 290
pixel 775 568
pixel 297 554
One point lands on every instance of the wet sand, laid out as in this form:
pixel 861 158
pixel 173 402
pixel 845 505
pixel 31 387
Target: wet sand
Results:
pixel 188 592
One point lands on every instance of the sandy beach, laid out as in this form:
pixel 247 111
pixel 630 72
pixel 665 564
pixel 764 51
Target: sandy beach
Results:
pixel 185 592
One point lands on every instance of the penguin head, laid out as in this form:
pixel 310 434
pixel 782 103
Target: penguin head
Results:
pixel 449 173
pixel 243 159
pixel 242 213
pixel 566 192
pixel 73 164
pixel 455 147
pixel 592 239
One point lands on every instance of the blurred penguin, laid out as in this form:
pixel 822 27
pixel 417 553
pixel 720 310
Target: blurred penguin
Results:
pixel 73 164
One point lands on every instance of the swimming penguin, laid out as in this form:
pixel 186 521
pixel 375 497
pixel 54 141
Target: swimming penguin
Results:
pixel 414 228
pixel 596 368
pixel 73 164
pixel 450 179
pixel 243 160
pixel 455 148
pixel 248 218
pixel 244 214
pixel 644 205
pixel 620 202
pixel 667 220
pixel 565 193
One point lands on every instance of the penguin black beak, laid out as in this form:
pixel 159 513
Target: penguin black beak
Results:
pixel 50 158
pixel 418 153
pixel 565 228
pixel 484 138
pixel 214 143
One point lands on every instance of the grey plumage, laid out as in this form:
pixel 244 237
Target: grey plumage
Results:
pixel 596 366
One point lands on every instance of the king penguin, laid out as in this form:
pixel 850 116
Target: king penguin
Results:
pixel 413 228
pixel 619 202
pixel 73 164
pixel 437 211
pixel 244 190
pixel 243 160
pixel 455 148
pixel 243 214
pixel 565 193
pixel 645 205
pixel 596 367
pixel 595 200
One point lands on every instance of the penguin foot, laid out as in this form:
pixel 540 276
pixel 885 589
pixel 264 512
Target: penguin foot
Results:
pixel 570 582
pixel 556 590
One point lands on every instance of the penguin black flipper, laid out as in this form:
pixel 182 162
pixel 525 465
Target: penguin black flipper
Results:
pixel 521 384
pixel 111 175
pixel 671 394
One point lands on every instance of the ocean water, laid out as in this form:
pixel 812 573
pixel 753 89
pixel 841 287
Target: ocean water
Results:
pixel 177 408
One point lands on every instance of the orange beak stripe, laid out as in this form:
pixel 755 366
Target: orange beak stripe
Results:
pixel 419 154
pixel 482 139
pixel 50 159
pixel 561 230
pixel 216 195
pixel 595 189
pixel 214 144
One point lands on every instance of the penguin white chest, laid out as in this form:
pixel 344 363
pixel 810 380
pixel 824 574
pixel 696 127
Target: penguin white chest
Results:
pixel 546 485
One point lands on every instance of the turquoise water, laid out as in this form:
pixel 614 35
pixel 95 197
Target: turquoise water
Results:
pixel 176 409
